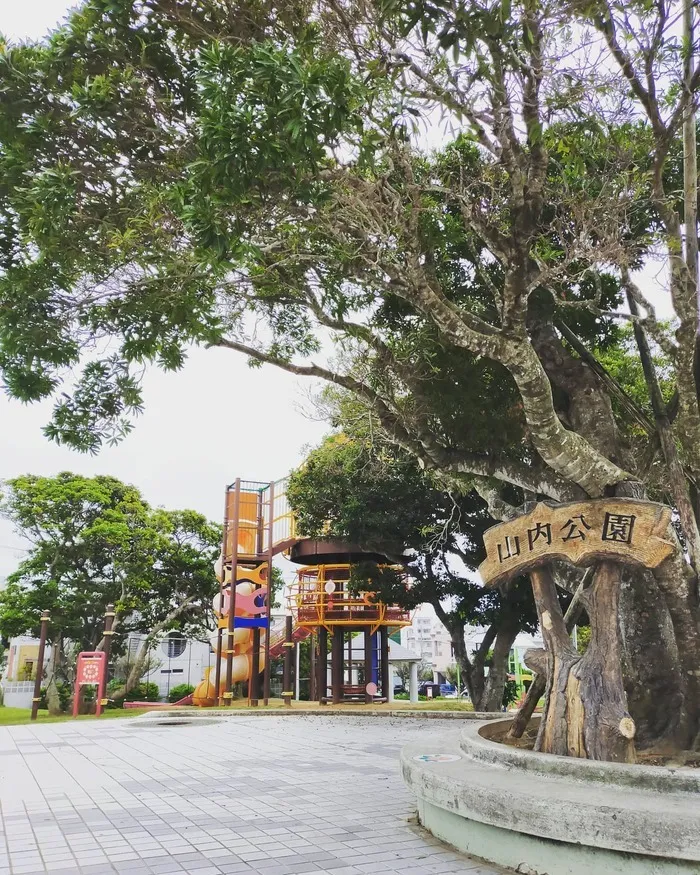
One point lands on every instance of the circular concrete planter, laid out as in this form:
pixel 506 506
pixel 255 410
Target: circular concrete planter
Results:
pixel 549 815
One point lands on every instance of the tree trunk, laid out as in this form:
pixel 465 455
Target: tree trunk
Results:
pixel 459 650
pixel 537 689
pixel 485 691
pixel 678 586
pixel 603 724
pixel 473 674
pixel 652 667
pixel 539 682
pixel 492 699
pixel 134 676
pixel 137 669
pixel 586 710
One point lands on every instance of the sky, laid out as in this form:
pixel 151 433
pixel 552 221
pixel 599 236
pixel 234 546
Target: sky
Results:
pixel 202 427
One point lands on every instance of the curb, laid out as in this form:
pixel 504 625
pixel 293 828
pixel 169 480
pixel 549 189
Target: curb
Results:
pixel 561 814
pixel 236 713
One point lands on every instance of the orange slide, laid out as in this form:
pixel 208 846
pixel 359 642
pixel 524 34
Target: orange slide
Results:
pixel 251 593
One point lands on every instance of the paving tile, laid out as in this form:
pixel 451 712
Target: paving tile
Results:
pixel 245 797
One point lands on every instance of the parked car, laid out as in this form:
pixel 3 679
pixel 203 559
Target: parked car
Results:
pixel 449 691
pixel 429 690
pixel 400 689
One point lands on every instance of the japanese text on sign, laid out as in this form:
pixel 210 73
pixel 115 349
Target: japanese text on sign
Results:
pixel 622 529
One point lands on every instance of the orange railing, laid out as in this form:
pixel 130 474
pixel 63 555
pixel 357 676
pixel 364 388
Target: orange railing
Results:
pixel 320 597
pixel 248 515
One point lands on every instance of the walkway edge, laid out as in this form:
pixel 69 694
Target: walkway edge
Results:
pixel 220 714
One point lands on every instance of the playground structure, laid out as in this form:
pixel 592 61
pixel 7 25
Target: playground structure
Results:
pixel 259 524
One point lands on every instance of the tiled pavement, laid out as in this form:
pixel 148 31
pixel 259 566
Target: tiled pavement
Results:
pixel 266 795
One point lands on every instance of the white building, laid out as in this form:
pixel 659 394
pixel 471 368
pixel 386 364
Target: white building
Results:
pixel 174 660
pixel 474 635
pixel 20 671
pixel 428 637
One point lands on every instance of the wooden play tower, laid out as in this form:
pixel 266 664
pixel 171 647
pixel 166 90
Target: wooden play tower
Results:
pixel 322 604
pixel 258 524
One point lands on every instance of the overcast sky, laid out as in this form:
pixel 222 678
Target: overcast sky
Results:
pixel 215 420
pixel 202 427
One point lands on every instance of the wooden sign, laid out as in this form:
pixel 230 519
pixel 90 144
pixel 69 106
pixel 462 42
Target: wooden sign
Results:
pixel 91 669
pixel 621 529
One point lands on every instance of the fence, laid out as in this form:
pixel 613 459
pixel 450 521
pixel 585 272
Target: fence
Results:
pixel 176 660
pixel 17 694
pixel 173 660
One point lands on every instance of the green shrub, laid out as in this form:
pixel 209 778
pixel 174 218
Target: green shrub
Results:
pixel 113 685
pixel 510 693
pixel 143 692
pixel 65 694
pixel 403 696
pixel 179 692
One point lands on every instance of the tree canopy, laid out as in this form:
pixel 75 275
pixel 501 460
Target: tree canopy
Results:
pixel 249 175
pixel 95 541
pixel 372 493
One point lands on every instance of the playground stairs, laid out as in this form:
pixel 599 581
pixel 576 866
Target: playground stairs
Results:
pixel 299 633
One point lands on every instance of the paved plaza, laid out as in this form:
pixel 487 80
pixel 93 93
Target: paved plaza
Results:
pixel 268 795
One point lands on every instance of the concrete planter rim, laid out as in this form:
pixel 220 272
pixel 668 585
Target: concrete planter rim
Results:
pixel 597 806
pixel 680 779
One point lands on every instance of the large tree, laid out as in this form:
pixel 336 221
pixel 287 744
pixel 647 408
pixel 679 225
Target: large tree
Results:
pixel 95 541
pixel 243 174
pixel 370 492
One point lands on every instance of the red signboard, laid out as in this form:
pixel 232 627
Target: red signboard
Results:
pixel 91 669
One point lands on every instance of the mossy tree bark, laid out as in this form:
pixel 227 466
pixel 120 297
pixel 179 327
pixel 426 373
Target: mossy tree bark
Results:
pixel 586 712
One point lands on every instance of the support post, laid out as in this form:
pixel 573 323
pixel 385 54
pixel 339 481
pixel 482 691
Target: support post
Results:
pixel 413 682
pixel 369 640
pixel 375 658
pixel 228 694
pixel 322 666
pixel 313 679
pixel 268 612
pixel 387 686
pixel 254 681
pixel 297 670
pixel 108 633
pixel 288 647
pixel 45 617
pixel 217 668
pixel 219 634
pixel 337 664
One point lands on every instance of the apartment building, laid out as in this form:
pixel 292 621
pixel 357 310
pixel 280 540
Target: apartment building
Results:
pixel 429 638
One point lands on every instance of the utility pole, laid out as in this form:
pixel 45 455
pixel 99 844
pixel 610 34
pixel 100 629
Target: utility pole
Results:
pixel 108 633
pixel 40 664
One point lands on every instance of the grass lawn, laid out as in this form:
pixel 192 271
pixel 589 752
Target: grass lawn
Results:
pixel 19 716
